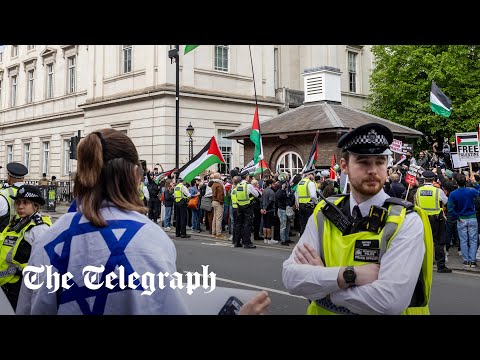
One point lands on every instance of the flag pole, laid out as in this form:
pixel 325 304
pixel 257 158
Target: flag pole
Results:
pixel 256 108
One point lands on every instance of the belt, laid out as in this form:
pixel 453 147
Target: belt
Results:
pixel 328 305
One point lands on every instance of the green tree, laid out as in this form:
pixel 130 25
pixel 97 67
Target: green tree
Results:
pixel 401 81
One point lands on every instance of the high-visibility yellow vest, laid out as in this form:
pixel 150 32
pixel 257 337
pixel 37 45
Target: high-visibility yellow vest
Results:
pixel 338 250
pixel 428 198
pixel 303 193
pixel 243 197
pixel 178 193
pixel 140 191
pixel 11 264
pixel 233 196
pixel 7 193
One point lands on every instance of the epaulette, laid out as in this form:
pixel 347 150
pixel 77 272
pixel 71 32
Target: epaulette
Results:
pixel 393 200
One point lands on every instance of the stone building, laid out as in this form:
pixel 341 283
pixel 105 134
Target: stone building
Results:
pixel 49 93
pixel 287 138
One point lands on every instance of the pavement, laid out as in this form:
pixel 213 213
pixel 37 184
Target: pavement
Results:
pixel 455 261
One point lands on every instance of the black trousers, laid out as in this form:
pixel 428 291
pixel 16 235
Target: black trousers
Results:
pixel 181 218
pixel 12 290
pixel 437 222
pixel 154 208
pixel 257 219
pixel 243 225
pixel 304 213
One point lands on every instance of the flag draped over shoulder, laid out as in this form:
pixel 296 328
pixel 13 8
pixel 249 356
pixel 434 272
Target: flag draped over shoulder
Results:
pixel 439 102
pixel 208 156
pixel 312 158
pixel 256 138
pixel 189 48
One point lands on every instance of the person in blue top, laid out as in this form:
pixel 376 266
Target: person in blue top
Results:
pixel 461 208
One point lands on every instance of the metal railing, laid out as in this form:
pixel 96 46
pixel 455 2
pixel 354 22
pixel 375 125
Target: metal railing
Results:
pixel 64 189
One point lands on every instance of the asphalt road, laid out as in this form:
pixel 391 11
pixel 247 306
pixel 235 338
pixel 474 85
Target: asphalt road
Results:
pixel 260 269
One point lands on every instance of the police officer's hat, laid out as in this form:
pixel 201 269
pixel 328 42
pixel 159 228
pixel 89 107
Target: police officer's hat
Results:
pixel 427 174
pixel 29 192
pixel 368 139
pixel 244 174
pixel 17 170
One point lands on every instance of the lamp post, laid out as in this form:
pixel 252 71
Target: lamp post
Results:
pixel 190 131
pixel 173 55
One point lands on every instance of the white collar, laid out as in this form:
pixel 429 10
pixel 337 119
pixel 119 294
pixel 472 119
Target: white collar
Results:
pixel 364 207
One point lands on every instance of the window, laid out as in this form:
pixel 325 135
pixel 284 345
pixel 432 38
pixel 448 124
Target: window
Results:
pixel 9 153
pixel 225 146
pixel 71 86
pixel 13 98
pixel 30 85
pixel 30 47
pixel 352 71
pixel 290 161
pixel 127 58
pixel 49 81
pixel 14 51
pixel 66 157
pixel 221 57
pixel 26 155
pixel 46 155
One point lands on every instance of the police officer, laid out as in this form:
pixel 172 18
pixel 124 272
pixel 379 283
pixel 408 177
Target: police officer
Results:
pixel 15 177
pixel 181 195
pixel 245 193
pixel 364 253
pixel 306 198
pixel 236 238
pixel 431 199
pixel 17 239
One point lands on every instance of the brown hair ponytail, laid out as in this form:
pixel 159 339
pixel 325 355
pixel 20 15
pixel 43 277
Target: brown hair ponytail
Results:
pixel 107 170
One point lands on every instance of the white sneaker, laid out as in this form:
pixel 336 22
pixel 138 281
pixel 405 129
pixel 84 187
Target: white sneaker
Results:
pixel 231 237
pixel 272 242
pixel 265 241
pixel 459 253
pixel 168 228
pixel 446 257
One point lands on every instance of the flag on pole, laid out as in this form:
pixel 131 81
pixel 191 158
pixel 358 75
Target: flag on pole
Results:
pixel 439 102
pixel 333 173
pixel 255 168
pixel 189 48
pixel 256 138
pixel 208 156
pixel 312 158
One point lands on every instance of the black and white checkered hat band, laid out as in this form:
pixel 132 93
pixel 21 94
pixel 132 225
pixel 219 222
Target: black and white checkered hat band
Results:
pixel 16 176
pixel 367 139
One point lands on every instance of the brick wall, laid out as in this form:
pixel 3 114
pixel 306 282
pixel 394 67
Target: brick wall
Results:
pixel 274 147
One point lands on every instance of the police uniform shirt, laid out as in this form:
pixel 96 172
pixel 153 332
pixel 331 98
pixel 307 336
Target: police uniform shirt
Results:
pixel 3 201
pixel 443 196
pixel 312 190
pixel 185 191
pixel 251 190
pixel 389 294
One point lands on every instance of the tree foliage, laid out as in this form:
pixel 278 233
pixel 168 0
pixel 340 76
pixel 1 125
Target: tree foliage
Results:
pixel 401 81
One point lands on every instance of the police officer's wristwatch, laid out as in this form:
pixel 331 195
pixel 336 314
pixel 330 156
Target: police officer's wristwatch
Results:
pixel 349 275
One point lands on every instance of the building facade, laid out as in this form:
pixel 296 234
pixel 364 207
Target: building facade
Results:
pixel 49 93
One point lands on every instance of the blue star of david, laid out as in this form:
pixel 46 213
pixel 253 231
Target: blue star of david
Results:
pixel 117 257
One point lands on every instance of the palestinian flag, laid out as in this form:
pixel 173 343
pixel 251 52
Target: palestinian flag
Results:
pixel 255 169
pixel 439 102
pixel 189 48
pixel 467 139
pixel 333 173
pixel 312 158
pixel 208 156
pixel 256 138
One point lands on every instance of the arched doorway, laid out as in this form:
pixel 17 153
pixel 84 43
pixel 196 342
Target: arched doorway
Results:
pixel 290 161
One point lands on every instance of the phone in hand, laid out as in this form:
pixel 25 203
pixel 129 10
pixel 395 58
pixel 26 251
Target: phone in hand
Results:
pixel 231 307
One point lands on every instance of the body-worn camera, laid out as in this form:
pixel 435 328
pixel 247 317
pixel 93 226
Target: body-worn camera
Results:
pixel 376 219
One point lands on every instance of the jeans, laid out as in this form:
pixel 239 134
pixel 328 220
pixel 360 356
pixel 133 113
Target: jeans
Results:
pixel 284 224
pixel 168 216
pixel 468 234
pixel 195 220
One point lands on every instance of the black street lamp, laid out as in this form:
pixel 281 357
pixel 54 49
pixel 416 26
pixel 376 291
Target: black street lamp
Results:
pixel 190 131
pixel 173 55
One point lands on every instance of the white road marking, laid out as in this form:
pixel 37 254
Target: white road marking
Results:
pixel 254 286
pixel 215 244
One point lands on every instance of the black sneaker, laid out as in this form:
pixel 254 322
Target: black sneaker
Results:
pixel 285 243
pixel 444 270
pixel 466 263
pixel 249 246
pixel 473 264
pixel 237 245
pixel 185 236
